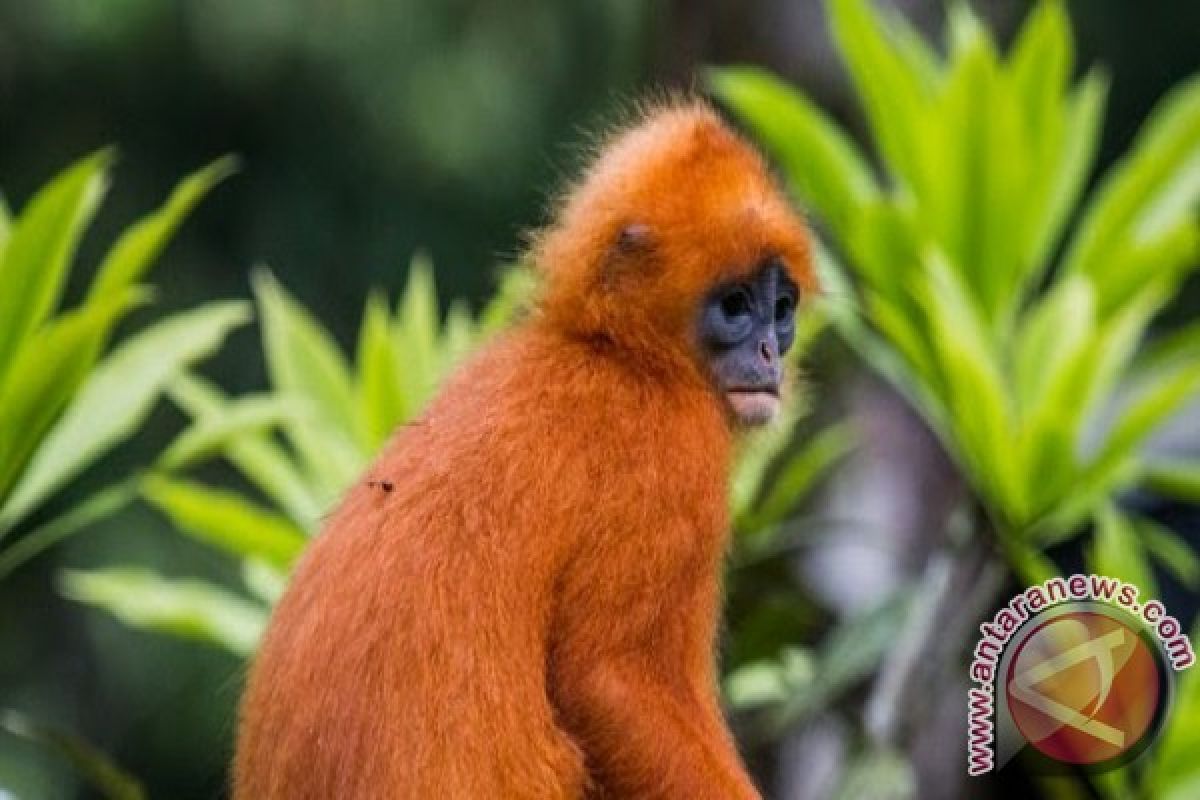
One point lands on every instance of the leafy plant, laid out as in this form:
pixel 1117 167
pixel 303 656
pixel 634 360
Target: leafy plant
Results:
pixel 957 274
pixel 64 403
pixel 1016 339
pixel 299 446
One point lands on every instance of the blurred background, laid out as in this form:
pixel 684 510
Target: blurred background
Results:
pixel 369 132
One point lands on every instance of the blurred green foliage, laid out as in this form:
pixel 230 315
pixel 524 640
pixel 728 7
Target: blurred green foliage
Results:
pixel 1011 363
pixel 1019 342
pixel 62 406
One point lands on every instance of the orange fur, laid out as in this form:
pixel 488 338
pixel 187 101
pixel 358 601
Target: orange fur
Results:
pixel 530 611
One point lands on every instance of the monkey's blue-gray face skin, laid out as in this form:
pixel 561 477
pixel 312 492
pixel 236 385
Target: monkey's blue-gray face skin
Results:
pixel 745 328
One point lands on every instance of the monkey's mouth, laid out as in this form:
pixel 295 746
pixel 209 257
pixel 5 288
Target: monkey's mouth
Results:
pixel 753 405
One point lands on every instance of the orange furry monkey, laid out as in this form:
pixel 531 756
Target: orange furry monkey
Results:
pixel 522 601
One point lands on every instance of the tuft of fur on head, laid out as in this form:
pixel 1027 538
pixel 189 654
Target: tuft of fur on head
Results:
pixel 670 206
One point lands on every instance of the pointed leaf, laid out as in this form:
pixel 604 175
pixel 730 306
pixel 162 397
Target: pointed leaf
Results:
pixel 39 251
pixel 118 395
pixel 44 376
pixel 142 242
pixel 213 433
pixel 225 520
pixel 266 464
pixel 189 609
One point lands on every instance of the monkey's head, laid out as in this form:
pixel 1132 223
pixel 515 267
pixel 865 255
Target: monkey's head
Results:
pixel 678 250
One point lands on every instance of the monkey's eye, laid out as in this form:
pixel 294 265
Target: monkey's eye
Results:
pixel 735 304
pixel 784 307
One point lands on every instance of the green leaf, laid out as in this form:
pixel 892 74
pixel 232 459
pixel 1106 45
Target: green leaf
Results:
pixel 1068 165
pixel 801 472
pixel 381 401
pixel 100 771
pixel 880 774
pixel 116 398
pixel 771 681
pixel 39 250
pixel 415 333
pixel 303 361
pixel 41 381
pixel 1156 400
pixel 754 456
pixel 1117 552
pixel 1176 479
pixel 263 580
pixel 267 465
pixel 189 609
pixel 1054 333
pixel 1170 550
pixel 517 287
pixel 1149 190
pixel 142 242
pixel 823 165
pixel 213 433
pixel 98 506
pixel 225 520
pixel 894 95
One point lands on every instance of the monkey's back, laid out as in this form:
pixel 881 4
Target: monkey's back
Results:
pixel 408 658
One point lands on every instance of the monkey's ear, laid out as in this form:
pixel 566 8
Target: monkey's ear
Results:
pixel 634 238
pixel 628 254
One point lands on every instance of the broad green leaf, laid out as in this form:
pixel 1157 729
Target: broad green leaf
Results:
pixel 1054 333
pixel 458 336
pixel 1165 259
pixel 754 457
pixel 381 401
pixel 41 381
pixel 1149 190
pixel 822 164
pixel 211 434
pixel 264 581
pixel 40 248
pixel 117 397
pixel 771 681
pixel 801 471
pixel 101 772
pixel 518 285
pixel 142 242
pixel 415 333
pixel 1041 61
pixel 225 519
pixel 1170 550
pixel 1171 351
pixel 978 400
pixel 261 460
pixel 189 609
pixel 98 506
pixel 1176 479
pixel 1155 401
pixel 303 361
pixel 894 94
pixel 1117 552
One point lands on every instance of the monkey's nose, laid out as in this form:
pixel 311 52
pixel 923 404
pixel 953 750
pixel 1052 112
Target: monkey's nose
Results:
pixel 767 352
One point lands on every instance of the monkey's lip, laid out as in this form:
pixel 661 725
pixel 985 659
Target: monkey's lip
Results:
pixel 753 405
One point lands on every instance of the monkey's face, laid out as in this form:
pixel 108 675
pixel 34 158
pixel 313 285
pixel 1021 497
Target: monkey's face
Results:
pixel 745 328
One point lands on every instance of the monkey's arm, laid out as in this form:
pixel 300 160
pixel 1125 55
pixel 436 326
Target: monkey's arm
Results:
pixel 652 736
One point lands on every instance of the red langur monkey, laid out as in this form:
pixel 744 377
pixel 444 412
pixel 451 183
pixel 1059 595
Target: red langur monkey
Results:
pixel 520 600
